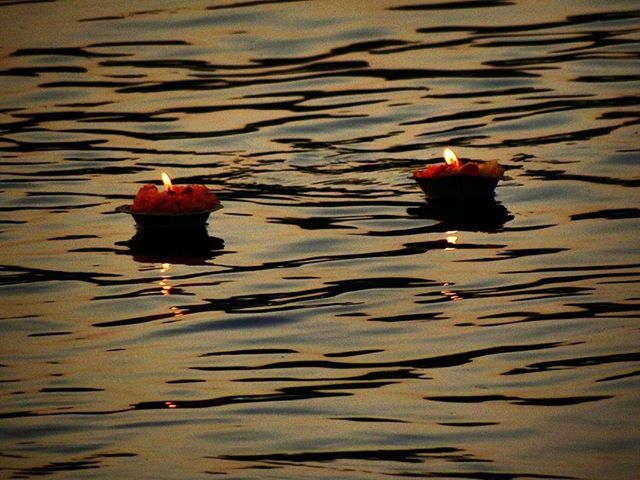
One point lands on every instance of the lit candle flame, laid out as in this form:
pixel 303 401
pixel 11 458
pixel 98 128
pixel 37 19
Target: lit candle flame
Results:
pixel 451 158
pixel 167 182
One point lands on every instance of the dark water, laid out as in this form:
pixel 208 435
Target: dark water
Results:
pixel 329 323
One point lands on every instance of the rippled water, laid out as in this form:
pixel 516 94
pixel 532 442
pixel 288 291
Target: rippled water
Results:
pixel 329 323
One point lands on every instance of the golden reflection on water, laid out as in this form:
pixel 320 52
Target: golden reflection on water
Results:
pixel 324 315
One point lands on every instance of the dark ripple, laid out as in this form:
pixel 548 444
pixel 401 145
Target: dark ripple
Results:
pixel 251 3
pixel 73 237
pixel 411 455
pixel 411 317
pixel 175 135
pixel 550 287
pixel 468 424
pixel 584 310
pixel 16 275
pixel 82 84
pixel 49 334
pixel 523 110
pixel 58 467
pixel 369 419
pixel 455 5
pixel 581 268
pixel 607 78
pixel 369 46
pixel 31 120
pixel 608 214
pixel 571 20
pixel 82 172
pixel 94 145
pixel 353 353
pixel 508 254
pixel 622 376
pixel 203 66
pixel 553 175
pixel 6 3
pixel 140 43
pixel 571 363
pixel 36 71
pixel 572 136
pixel 443 361
pixel 184 380
pixel 390 74
pixel 91 462
pixel 395 374
pixel 278 301
pixel 490 93
pixel 71 390
pixel 514 400
pixel 530 62
pixel 53 208
pixel 255 351
pixel 288 300
pixel 281 395
pixel 62 52
pixel 316 223
pixel 594 39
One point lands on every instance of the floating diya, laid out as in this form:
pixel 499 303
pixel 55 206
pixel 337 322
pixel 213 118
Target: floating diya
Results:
pixel 456 180
pixel 177 206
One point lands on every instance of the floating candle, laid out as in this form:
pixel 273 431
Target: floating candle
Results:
pixel 174 198
pixel 453 166
pixel 455 180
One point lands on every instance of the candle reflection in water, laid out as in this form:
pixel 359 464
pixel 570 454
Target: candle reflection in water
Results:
pixel 164 283
pixel 450 294
pixel 452 238
pixel 173 246
pixel 489 216
pixel 167 289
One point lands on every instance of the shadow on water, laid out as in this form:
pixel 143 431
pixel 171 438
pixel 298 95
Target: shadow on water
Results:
pixel 189 247
pixel 486 216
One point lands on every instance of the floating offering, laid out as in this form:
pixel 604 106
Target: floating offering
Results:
pixel 455 180
pixel 177 206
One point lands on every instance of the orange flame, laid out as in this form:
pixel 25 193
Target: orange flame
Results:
pixel 167 182
pixel 451 158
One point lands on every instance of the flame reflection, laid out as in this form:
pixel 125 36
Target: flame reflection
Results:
pixel 451 294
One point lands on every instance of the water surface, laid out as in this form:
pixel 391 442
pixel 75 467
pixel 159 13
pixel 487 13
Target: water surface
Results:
pixel 328 323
